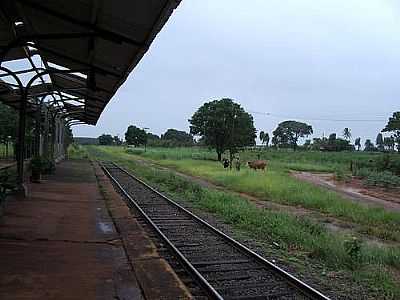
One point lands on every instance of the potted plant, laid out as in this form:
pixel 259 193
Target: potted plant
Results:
pixel 48 166
pixel 36 168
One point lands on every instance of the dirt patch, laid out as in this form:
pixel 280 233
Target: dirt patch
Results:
pixel 354 190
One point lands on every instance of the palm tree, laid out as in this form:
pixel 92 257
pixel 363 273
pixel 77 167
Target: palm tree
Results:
pixel 347 133
pixel 369 146
pixel 266 139
pixel 262 135
pixel 358 143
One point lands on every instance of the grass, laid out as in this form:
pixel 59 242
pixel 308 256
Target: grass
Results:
pixel 278 186
pixel 300 160
pixel 370 265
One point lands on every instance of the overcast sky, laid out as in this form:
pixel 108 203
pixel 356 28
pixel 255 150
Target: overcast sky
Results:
pixel 304 60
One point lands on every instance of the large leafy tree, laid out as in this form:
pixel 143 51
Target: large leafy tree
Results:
pixel 106 139
pixel 223 125
pixel 288 133
pixel 135 136
pixel 393 126
pixel 389 143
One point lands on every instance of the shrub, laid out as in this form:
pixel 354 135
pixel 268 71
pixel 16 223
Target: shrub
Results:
pixel 380 163
pixel 362 172
pixel 353 249
pixel 134 151
pixel 42 165
pixel 340 175
pixel 384 179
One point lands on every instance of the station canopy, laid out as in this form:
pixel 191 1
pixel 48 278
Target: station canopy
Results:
pixel 86 49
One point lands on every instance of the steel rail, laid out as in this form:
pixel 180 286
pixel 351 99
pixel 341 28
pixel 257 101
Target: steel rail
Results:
pixel 190 268
pixel 294 281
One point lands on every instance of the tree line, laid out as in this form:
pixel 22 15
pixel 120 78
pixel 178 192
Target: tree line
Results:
pixel 225 126
pixel 137 136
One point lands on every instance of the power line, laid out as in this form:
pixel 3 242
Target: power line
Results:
pixel 316 119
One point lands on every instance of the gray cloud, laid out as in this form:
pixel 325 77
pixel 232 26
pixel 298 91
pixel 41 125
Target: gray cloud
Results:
pixel 298 58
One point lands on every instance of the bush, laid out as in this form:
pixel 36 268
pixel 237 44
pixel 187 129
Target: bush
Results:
pixel 386 162
pixel 362 172
pixel 340 175
pixel 134 151
pixel 353 249
pixel 48 166
pixel 43 165
pixel 383 179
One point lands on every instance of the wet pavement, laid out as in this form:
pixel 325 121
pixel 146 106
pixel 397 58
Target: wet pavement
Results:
pixel 61 243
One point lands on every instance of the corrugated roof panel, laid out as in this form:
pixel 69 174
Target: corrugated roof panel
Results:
pixel 103 39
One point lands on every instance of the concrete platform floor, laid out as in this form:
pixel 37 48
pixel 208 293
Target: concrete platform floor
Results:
pixel 69 240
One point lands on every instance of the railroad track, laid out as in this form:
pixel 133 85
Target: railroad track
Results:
pixel 224 268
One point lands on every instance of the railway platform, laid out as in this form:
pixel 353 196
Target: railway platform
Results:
pixel 73 237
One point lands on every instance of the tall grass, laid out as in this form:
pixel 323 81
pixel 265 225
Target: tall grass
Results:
pixel 277 186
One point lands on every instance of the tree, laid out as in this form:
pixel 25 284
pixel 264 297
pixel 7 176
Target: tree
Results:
pixel 379 142
pixel 369 146
pixel 332 143
pixel 8 126
pixel 116 140
pixel 264 137
pixel 307 144
pixel 389 143
pixel 289 132
pixel 347 133
pixel 153 139
pixel 332 138
pixel 106 139
pixel 274 141
pixel 393 126
pixel 135 136
pixel 223 125
pixel 181 138
pixel 261 136
pixel 357 143
pixel 152 136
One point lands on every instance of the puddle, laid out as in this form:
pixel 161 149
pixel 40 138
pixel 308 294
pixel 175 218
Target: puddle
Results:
pixel 106 227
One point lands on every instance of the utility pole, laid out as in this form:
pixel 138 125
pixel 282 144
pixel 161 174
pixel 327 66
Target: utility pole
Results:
pixel 145 143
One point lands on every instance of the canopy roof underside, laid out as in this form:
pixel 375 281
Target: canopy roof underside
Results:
pixel 87 48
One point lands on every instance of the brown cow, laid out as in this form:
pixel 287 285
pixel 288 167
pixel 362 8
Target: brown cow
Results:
pixel 257 164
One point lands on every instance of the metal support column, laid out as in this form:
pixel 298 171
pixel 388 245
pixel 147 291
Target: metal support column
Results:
pixel 21 138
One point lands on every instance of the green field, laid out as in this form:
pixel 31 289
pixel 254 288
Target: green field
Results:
pixel 302 237
pixel 276 184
